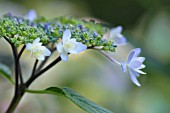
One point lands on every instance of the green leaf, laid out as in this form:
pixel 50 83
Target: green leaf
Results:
pixel 6 72
pixel 76 98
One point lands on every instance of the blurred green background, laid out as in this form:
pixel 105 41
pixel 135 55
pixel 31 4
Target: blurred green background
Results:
pixel 146 25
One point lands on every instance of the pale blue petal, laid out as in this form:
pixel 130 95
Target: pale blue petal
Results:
pixel 130 56
pixel 134 78
pixel 64 57
pixel 133 71
pixel 66 35
pixel 80 47
pixel 40 57
pixel 46 51
pixel 60 47
pixel 61 50
pixel 31 15
pixel 135 64
pixel 37 40
pixel 141 59
pixel 28 46
pixel 115 31
pixel 123 65
pixel 120 40
pixel 137 52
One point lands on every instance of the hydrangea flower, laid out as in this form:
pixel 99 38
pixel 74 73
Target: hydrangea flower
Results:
pixel 69 45
pixel 133 65
pixel 37 50
pixel 115 36
pixel 31 15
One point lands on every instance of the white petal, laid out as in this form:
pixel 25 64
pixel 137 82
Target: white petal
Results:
pixel 61 50
pixel 74 47
pixel 60 47
pixel 64 57
pixel 31 15
pixel 123 65
pixel 80 47
pixel 141 67
pixel 46 51
pixel 139 71
pixel 71 46
pixel 28 46
pixel 130 56
pixel 135 64
pixel 133 78
pixel 40 57
pixel 37 40
pixel 66 35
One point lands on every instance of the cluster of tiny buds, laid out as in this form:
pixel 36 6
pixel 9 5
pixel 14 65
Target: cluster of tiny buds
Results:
pixel 71 36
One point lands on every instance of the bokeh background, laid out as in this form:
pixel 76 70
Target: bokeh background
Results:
pixel 146 25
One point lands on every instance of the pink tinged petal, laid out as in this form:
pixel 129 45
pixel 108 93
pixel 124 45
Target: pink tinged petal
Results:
pixel 139 71
pixel 137 52
pixel 123 65
pixel 66 35
pixel 31 15
pixel 133 77
pixel 28 46
pixel 106 35
pixel 40 57
pixel 37 40
pixel 46 51
pixel 135 64
pixel 130 56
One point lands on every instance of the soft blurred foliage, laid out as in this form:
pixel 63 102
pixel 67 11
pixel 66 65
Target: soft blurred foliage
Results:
pixel 147 25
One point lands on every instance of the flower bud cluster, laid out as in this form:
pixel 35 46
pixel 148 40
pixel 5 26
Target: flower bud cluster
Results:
pixel 20 31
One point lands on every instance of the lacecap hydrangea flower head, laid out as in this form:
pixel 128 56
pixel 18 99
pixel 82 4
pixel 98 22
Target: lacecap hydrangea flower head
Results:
pixel 70 36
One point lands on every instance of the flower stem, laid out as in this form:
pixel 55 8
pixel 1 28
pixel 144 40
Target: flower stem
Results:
pixel 32 78
pixel 109 57
pixel 16 99
pixel 19 89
